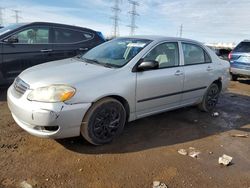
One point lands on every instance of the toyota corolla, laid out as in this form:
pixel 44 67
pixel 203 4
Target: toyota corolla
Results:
pixel 122 80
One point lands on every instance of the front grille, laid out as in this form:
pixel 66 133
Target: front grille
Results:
pixel 20 86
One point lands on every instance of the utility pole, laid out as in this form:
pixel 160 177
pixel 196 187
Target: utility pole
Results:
pixel 133 13
pixel 17 15
pixel 115 17
pixel 181 30
pixel 1 16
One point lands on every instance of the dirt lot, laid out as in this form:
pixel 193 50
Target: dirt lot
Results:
pixel 146 151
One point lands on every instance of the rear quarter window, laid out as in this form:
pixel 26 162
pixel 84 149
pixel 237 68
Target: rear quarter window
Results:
pixel 71 36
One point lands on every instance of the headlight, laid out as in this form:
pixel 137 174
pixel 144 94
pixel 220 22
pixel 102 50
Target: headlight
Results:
pixel 52 93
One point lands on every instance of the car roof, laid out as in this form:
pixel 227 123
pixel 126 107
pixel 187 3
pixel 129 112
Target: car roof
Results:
pixel 160 38
pixel 57 24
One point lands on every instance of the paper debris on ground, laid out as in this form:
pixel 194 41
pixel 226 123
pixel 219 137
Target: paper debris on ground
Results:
pixel 182 152
pixel 25 184
pixel 215 114
pixel 194 154
pixel 240 135
pixel 225 160
pixel 158 184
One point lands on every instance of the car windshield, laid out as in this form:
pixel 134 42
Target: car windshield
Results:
pixel 243 47
pixel 9 28
pixel 116 53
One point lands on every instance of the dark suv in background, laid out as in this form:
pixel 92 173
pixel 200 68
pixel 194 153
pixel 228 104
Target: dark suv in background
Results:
pixel 26 45
pixel 240 60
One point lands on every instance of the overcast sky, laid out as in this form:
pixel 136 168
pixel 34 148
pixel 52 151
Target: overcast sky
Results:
pixel 203 20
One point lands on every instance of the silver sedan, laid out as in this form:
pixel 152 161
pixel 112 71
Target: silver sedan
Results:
pixel 122 80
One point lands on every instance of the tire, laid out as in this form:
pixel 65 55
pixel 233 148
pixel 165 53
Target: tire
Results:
pixel 96 127
pixel 234 77
pixel 210 99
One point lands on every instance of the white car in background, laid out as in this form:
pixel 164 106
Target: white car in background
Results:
pixel 122 80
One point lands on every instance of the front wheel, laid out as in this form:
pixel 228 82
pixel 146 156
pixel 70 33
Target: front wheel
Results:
pixel 210 99
pixel 104 121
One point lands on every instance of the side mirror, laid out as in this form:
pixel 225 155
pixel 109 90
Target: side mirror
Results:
pixel 147 65
pixel 12 39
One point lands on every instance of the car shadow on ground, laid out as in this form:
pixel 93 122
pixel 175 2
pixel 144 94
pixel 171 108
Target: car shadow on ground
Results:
pixel 3 94
pixel 171 128
pixel 245 81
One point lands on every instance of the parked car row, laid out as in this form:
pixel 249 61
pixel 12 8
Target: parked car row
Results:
pixel 221 52
pixel 121 80
pixel 240 60
pixel 26 45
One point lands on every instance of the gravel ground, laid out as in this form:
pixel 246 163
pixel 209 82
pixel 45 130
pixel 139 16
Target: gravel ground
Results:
pixel 145 152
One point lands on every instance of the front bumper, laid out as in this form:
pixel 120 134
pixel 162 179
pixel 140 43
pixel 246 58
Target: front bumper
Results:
pixel 46 120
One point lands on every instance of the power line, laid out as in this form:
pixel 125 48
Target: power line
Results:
pixel 181 30
pixel 133 13
pixel 1 15
pixel 115 18
pixel 17 17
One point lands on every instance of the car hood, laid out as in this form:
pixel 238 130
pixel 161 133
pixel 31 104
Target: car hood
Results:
pixel 68 71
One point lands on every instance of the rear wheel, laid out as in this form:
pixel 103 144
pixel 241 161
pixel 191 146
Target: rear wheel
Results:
pixel 210 99
pixel 104 121
pixel 234 77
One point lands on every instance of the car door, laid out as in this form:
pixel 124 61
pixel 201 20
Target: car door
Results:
pixel 160 89
pixel 32 47
pixel 69 42
pixel 198 69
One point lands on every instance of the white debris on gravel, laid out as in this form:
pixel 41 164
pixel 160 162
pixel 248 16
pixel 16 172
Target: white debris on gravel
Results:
pixel 158 184
pixel 225 160
pixel 25 184
pixel 194 154
pixel 182 152
pixel 240 135
pixel 215 114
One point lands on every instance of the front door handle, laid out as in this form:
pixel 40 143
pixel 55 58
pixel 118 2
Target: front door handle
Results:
pixel 46 50
pixel 209 68
pixel 178 73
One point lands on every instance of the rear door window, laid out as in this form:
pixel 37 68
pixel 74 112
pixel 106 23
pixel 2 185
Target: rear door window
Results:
pixel 63 35
pixel 243 47
pixel 194 54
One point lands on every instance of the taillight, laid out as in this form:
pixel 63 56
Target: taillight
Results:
pixel 230 56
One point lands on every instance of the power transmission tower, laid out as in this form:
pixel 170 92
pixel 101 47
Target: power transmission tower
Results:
pixel 181 30
pixel 1 16
pixel 17 17
pixel 133 13
pixel 115 17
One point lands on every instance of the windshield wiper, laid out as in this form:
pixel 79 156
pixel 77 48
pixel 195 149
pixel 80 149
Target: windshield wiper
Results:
pixel 107 65
pixel 92 61
pixel 96 62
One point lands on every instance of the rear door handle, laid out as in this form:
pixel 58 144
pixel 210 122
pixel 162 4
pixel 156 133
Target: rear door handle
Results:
pixel 178 73
pixel 46 50
pixel 209 68
pixel 83 49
